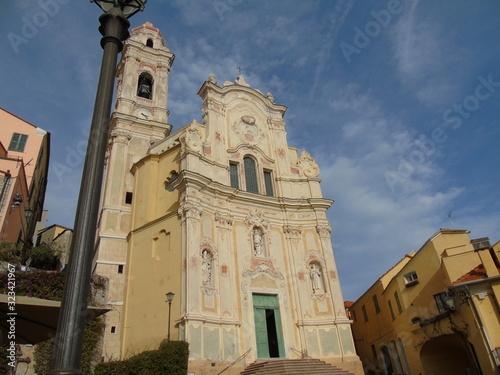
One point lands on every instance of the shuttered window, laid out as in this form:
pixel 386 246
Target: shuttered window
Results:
pixel 18 142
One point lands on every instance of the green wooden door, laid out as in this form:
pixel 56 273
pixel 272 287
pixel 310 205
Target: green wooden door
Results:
pixel 268 329
pixel 261 333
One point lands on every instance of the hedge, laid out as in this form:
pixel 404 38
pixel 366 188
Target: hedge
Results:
pixel 171 358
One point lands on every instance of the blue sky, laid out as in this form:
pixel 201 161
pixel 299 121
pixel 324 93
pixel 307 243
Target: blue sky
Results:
pixel 396 100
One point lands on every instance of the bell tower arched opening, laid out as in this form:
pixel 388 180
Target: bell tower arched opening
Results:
pixel 145 86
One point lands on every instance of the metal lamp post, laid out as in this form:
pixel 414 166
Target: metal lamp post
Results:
pixel 170 297
pixel 69 337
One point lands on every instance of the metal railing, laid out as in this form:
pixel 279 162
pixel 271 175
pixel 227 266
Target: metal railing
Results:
pixel 236 361
pixel 300 353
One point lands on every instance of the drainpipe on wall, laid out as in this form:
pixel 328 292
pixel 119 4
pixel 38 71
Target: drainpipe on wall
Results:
pixel 475 312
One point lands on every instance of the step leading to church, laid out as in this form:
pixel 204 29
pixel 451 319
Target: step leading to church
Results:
pixel 306 366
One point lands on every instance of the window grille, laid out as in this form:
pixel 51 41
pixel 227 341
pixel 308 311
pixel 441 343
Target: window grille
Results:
pixel 268 180
pixel 233 175
pixel 251 175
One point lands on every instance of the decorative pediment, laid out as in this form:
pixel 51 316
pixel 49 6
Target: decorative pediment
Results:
pixel 263 268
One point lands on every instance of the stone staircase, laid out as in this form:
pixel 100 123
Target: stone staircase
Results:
pixel 284 366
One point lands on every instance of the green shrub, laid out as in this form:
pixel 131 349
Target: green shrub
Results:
pixel 49 285
pixel 4 360
pixel 10 252
pixel 90 354
pixel 45 257
pixel 170 359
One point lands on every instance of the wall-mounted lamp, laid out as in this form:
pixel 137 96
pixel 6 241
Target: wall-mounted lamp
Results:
pixel 170 297
pixel 18 199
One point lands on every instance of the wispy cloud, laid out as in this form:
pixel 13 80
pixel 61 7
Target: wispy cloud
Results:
pixel 424 56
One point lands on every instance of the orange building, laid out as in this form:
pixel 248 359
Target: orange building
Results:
pixel 24 166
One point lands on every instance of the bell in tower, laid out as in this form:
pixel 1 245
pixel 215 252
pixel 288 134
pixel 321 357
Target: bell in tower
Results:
pixel 143 75
pixel 145 86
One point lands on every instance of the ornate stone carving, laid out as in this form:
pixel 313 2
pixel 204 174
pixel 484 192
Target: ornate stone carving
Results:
pixel 224 220
pixel 240 80
pixel 248 131
pixel 308 165
pixel 263 268
pixel 255 218
pixel 212 78
pixel 292 231
pixel 210 291
pixel 191 139
pixel 324 230
pixel 270 97
pixel 189 210
pixel 276 123
pixel 119 136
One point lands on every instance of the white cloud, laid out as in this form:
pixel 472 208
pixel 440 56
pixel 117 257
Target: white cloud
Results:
pixel 422 50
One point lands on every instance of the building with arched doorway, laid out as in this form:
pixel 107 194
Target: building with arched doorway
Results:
pixel 435 312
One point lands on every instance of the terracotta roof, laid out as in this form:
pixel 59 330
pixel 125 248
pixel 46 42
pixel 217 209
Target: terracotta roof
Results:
pixel 476 273
pixel 348 303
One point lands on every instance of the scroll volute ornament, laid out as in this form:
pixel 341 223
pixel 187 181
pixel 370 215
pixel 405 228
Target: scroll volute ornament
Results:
pixel 308 165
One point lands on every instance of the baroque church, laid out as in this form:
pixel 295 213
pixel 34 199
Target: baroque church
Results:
pixel 225 215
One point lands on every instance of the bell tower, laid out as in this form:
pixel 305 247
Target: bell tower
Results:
pixel 140 119
pixel 143 75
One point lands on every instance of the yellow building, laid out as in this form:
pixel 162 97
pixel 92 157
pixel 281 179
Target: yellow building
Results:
pixel 59 237
pixel 435 312
pixel 224 214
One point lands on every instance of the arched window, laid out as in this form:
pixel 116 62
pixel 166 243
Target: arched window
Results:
pixel 250 175
pixel 149 43
pixel 145 86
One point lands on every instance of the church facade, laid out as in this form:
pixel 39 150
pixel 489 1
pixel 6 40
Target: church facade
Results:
pixel 224 214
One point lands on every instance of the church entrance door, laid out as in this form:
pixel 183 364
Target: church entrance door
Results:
pixel 268 331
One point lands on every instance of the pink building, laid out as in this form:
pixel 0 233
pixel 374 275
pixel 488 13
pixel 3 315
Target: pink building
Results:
pixel 24 166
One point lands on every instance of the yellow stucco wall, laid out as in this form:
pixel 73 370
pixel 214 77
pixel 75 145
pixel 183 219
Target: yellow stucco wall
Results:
pixel 444 258
pixel 154 257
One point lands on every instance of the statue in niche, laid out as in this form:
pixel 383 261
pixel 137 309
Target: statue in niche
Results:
pixel 317 284
pixel 206 266
pixel 257 241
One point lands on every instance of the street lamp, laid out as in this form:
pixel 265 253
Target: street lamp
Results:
pixel 69 337
pixel 170 297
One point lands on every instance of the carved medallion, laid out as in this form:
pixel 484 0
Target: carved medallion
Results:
pixel 247 130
